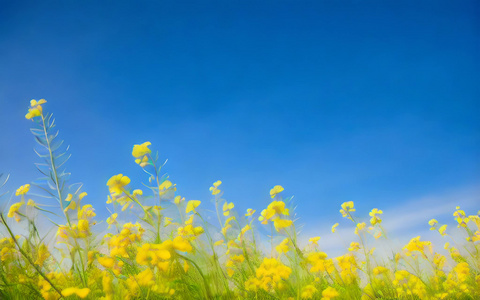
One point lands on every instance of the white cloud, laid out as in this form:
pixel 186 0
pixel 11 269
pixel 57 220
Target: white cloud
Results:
pixel 402 222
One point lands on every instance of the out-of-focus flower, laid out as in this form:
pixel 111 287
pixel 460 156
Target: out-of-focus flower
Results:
pixel 308 291
pixel 442 230
pixel 214 189
pixel 141 150
pixel 22 190
pixel 117 183
pixel 250 212
pixel 13 212
pixel 360 226
pixel 276 190
pixel 347 208
pixel 314 240
pixel 35 109
pixel 82 293
pixel 112 219
pixel 178 199
pixel 416 245
pixel 282 223
pixel 354 246
pixel 227 207
pixel 334 227
pixel 374 214
pixel 191 205
pixel 329 293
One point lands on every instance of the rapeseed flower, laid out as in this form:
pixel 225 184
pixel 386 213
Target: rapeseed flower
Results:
pixel 347 208
pixel 314 240
pixel 22 190
pixel 374 214
pixel 214 189
pixel 416 245
pixel 276 190
pixel 334 227
pixel 35 109
pixel 117 183
pixel 81 293
pixel 192 205
pixel 227 207
pixel 141 150
pixel 308 291
pixel 329 293
pixel 13 211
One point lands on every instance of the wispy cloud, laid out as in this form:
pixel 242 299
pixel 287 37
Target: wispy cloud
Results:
pixel 405 220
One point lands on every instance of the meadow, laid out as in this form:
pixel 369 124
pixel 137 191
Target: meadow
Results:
pixel 158 245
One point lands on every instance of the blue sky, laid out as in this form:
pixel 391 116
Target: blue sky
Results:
pixel 371 101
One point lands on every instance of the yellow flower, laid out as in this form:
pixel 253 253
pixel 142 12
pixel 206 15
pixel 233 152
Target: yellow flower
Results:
pixel 347 207
pixel 416 245
pixel 283 246
pixel 142 161
pixel 107 283
pixel 72 205
pixel 354 246
pixel 31 202
pixel 218 243
pixel 380 270
pixel 22 190
pixel 360 226
pixel 192 204
pixel 13 212
pixel 178 199
pixel 276 190
pixel 227 207
pixel 245 229
pixel 86 212
pixel 34 103
pixel 375 219
pixel 112 219
pixel 181 244
pixel 329 293
pixel 107 262
pixel 69 198
pixel 82 293
pixel 314 240
pixel 308 291
pixel 442 229
pixel 141 150
pixel 36 108
pixel 214 189
pixel 282 223
pixel 250 212
pixel 82 195
pixel 334 227
pixel 165 185
pixel 117 182
pixel 432 222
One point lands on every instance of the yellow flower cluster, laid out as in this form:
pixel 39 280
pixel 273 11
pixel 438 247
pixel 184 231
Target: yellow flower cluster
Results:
pixel 408 285
pixel 269 276
pixel 172 251
pixel 276 212
pixel 320 263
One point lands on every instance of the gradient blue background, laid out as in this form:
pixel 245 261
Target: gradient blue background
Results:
pixel 371 101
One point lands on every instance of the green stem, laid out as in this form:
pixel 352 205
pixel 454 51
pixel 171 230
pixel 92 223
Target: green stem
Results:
pixel 28 258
